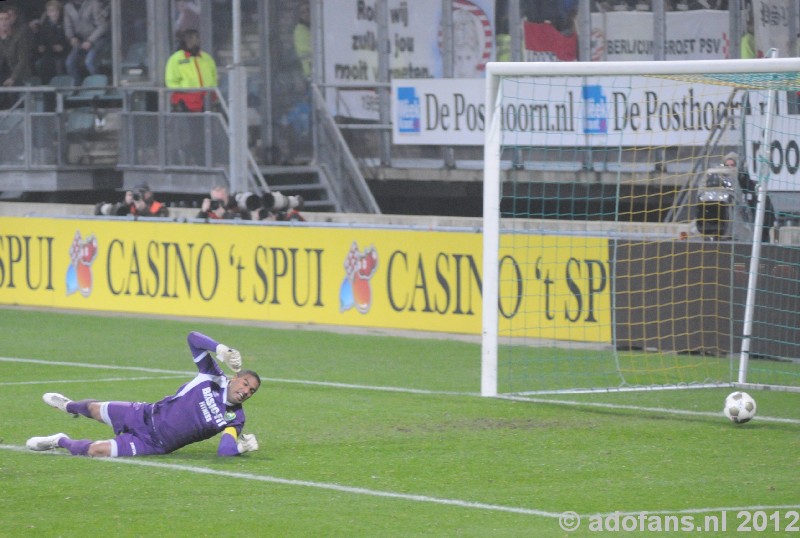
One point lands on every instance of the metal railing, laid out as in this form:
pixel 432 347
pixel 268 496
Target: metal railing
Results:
pixel 335 160
pixel 46 128
pixel 686 199
pixel 160 139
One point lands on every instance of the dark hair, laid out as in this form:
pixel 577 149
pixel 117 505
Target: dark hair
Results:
pixel 182 35
pixel 242 373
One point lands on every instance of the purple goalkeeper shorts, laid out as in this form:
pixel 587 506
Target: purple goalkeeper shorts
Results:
pixel 131 423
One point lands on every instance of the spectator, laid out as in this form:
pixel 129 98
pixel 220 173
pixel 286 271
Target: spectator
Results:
pixel 502 35
pixel 19 26
pixel 190 67
pixel 750 189
pixel 86 27
pixel 219 205
pixel 14 57
pixel 301 37
pixel 50 42
pixel 747 47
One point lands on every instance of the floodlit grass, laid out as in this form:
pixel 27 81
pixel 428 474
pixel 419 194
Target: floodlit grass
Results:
pixel 341 458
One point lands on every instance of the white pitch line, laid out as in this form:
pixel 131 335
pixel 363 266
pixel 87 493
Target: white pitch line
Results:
pixel 400 496
pixel 574 403
pixel 269 379
pixel 95 366
pixel 658 410
pixel 84 381
pixel 311 484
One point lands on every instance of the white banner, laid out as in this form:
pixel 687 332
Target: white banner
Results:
pixel 690 35
pixel 783 142
pixel 600 112
pixel 350 44
pixel 437 112
pixel 771 26
pixel 566 111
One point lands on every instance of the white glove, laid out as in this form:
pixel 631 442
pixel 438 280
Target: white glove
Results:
pixel 247 443
pixel 229 356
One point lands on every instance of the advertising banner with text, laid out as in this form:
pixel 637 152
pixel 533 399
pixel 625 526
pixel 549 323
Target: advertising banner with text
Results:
pixel 392 279
pixel 701 34
pixel 350 42
pixel 772 25
pixel 565 111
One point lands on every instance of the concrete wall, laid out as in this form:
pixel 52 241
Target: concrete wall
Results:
pixel 789 235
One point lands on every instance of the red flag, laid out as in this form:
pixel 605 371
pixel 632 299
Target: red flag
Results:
pixel 543 43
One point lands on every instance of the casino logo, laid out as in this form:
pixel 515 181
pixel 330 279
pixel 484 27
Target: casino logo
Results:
pixel 82 254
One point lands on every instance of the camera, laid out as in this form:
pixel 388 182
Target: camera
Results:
pixel 137 196
pixel 716 202
pixel 214 205
pixel 104 208
pixel 247 201
pixel 277 201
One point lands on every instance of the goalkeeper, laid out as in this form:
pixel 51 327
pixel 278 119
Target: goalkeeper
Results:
pixel 205 406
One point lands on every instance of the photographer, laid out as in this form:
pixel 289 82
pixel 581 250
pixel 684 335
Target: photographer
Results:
pixel 138 202
pixel 219 205
pixel 750 189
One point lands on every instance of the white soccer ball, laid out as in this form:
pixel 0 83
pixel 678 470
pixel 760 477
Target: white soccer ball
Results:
pixel 740 407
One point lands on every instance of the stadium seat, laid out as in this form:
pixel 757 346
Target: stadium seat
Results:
pixel 94 92
pixel 62 81
pixel 63 84
pixel 91 87
pixel 134 65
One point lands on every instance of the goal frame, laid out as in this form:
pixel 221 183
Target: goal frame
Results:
pixel 492 180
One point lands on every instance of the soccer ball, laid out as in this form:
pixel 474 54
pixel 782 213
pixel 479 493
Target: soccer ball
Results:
pixel 740 407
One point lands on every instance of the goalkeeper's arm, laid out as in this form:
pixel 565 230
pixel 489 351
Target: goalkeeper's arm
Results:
pixel 232 444
pixel 200 343
pixel 229 356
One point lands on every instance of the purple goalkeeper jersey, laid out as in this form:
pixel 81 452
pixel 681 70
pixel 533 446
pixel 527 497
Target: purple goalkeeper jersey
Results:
pixel 198 410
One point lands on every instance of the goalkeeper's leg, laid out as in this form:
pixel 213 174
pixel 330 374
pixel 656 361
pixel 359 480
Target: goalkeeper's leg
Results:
pixel 85 408
pixel 74 408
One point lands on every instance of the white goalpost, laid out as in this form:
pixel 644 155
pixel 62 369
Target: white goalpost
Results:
pixel 620 251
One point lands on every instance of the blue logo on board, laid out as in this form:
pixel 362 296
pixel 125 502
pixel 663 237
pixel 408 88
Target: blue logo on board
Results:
pixel 596 119
pixel 408 110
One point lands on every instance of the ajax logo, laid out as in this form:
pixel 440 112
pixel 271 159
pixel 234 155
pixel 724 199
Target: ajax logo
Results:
pixel 359 268
pixel 79 273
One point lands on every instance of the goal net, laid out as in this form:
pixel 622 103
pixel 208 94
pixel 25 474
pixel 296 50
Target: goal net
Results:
pixel 638 226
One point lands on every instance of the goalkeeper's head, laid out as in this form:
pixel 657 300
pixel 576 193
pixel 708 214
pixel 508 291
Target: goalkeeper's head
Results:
pixel 242 386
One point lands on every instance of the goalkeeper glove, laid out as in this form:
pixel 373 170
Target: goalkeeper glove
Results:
pixel 246 443
pixel 229 356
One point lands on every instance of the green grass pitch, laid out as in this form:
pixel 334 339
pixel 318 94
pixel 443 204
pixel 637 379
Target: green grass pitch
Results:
pixel 370 435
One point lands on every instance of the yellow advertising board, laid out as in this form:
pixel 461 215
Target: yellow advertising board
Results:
pixel 383 278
